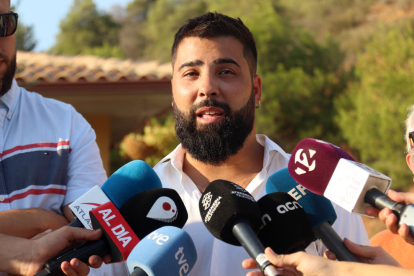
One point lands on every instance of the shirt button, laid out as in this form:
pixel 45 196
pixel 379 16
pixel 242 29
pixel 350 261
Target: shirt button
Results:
pixel 9 114
pixel 1 199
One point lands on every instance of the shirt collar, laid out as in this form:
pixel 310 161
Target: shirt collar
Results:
pixel 10 98
pixel 176 157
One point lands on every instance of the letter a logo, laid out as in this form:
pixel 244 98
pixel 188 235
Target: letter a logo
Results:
pixel 304 161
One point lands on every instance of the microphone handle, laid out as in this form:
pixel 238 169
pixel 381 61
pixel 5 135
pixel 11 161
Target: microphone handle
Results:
pixel 334 243
pixel 82 253
pixel 138 272
pixel 380 201
pixel 76 223
pixel 248 239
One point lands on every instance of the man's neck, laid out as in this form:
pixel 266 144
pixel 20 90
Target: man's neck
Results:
pixel 240 168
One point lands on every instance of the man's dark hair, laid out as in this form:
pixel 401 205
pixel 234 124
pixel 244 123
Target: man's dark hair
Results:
pixel 211 25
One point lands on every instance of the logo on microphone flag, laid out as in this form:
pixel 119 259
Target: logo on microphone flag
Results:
pixel 164 209
pixel 303 159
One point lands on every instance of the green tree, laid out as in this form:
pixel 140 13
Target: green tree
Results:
pixel 372 112
pixel 25 39
pixel 86 30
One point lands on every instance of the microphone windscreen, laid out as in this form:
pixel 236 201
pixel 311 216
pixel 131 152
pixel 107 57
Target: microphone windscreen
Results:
pixel 152 209
pixel 129 180
pixel 166 251
pixel 286 228
pixel 222 204
pixel 313 162
pixel 317 208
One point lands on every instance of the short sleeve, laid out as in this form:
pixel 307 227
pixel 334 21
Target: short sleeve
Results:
pixel 85 167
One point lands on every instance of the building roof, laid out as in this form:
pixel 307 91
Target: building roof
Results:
pixel 37 68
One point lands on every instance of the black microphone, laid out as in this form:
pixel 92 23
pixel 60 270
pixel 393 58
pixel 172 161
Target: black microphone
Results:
pixel 286 228
pixel 232 215
pixel 143 213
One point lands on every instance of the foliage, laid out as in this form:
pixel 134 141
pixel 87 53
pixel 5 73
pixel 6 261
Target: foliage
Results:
pixel 159 135
pixel 372 112
pixel 25 39
pixel 86 30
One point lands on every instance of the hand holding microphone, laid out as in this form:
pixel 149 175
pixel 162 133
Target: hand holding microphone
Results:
pixel 305 264
pixel 123 229
pixel 329 171
pixel 390 219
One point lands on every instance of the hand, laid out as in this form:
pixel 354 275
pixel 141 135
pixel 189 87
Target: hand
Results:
pixel 390 219
pixel 296 264
pixel 48 246
pixel 371 255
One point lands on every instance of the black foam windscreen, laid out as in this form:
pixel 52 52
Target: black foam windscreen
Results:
pixel 286 228
pixel 222 204
pixel 153 209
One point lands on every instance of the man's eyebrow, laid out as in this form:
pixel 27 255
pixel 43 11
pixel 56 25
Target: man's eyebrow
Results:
pixel 226 60
pixel 191 63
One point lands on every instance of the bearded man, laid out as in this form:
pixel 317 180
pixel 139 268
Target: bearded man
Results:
pixel 215 91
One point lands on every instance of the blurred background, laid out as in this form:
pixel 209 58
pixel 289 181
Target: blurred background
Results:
pixel 337 70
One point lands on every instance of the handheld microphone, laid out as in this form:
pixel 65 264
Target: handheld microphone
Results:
pixel 286 228
pixel 232 215
pixel 166 251
pixel 350 184
pixel 131 179
pixel 319 210
pixel 143 213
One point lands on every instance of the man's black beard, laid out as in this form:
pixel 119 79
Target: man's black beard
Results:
pixel 214 143
pixel 7 79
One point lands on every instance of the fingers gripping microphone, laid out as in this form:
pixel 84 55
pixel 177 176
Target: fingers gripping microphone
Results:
pixel 350 184
pixel 166 251
pixel 232 215
pixel 144 212
pixel 286 228
pixel 129 180
pixel 319 210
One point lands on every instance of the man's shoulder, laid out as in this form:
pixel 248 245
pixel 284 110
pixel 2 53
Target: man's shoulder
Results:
pixel 35 98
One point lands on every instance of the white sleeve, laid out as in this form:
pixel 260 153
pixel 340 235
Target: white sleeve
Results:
pixel 85 168
pixel 349 226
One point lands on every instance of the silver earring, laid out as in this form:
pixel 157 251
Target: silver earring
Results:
pixel 258 105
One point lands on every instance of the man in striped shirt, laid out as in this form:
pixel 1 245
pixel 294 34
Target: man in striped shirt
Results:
pixel 48 153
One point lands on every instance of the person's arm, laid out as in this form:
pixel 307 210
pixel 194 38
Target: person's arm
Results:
pixel 390 220
pixel 306 264
pixel 27 223
pixel 27 257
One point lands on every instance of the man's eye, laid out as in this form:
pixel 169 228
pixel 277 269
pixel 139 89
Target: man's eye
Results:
pixel 226 72
pixel 190 74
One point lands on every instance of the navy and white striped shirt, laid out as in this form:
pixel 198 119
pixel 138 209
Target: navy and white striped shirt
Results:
pixel 48 153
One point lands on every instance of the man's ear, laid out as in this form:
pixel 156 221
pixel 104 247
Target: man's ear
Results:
pixel 257 86
pixel 410 162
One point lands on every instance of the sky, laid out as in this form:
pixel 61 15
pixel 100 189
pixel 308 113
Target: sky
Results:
pixel 45 17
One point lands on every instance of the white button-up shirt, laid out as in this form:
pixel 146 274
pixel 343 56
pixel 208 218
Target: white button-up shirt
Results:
pixel 216 258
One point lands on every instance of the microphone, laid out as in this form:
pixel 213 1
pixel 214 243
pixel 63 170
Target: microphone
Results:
pixel 143 213
pixel 232 215
pixel 166 251
pixel 350 184
pixel 319 210
pixel 286 228
pixel 131 179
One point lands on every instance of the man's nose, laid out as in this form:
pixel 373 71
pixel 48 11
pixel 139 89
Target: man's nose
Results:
pixel 208 86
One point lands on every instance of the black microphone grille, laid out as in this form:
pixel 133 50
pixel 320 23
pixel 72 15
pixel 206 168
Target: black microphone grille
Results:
pixel 222 204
